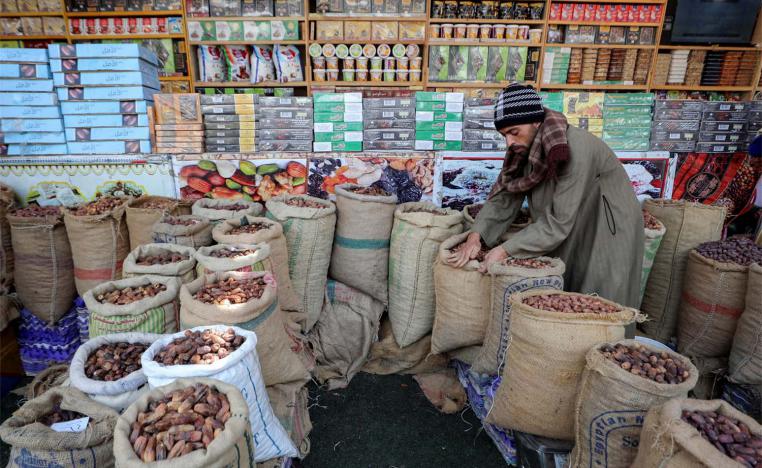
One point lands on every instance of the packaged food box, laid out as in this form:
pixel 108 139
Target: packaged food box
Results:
pixel 440 125
pixel 722 137
pixel 100 65
pixel 109 93
pixel 31 125
pixel 329 30
pixel 240 141
pixel 389 134
pixel 357 30
pixel 228 99
pixel 293 101
pixel 284 134
pixel 676 114
pixel 33 137
pixel 179 127
pixel 627 144
pixel 489 135
pixel 412 30
pixel 29 99
pixel 478 123
pixel 726 106
pixel 724 116
pixel 329 127
pixel 673 146
pixel 441 106
pixel 720 147
pixel 628 99
pixel 228 118
pixel 78 78
pixel 37 149
pixel 441 145
pixel 338 117
pixel 428 116
pixel 236 126
pixel 24 70
pixel 388 145
pixel 340 107
pixel 625 111
pixel 483 145
pixel 26 86
pixel 30 112
pixel 380 124
pixel 633 121
pixel 382 103
pixel 284 123
pixel 346 146
pixel 676 125
pixel 110 147
pixel 710 126
pixel 177 108
pixel 105 120
pixel 284 113
pixel 662 135
pixel 228 133
pixel 629 133
pixel 337 97
pixel 401 114
pixel 439 96
pixel 103 52
pixel 681 104
pixel 108 133
pixel 166 135
pixel 384 31
pixel 483 112
pixel 284 145
pixel 24 55
pixel 231 147
pixel 438 135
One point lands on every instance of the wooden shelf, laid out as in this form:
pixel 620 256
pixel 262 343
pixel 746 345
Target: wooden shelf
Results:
pixel 244 84
pixel 370 84
pixel 469 42
pixel 645 2
pixel 703 88
pixel 601 46
pixel 601 23
pixel 711 47
pixel 118 14
pixel 174 78
pixel 245 42
pixel 30 14
pixel 317 17
pixel 580 86
pixel 41 37
pixel 246 18
pixel 117 37
pixel 484 21
pixel 474 84
pixel 350 41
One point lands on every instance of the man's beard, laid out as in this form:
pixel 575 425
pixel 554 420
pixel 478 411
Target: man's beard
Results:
pixel 519 150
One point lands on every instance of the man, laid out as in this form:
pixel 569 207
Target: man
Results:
pixel 582 205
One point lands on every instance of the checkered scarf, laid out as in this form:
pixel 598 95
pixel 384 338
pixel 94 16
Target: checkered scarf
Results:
pixel 549 151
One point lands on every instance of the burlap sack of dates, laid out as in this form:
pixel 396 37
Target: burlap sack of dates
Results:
pixel 505 281
pixel 289 402
pixel 360 256
pixel 99 245
pixel 653 239
pixel 309 236
pixel 198 234
pixel 141 217
pixel 712 302
pixel 33 444
pixel 184 270
pixel 232 447
pixel 386 357
pixel 667 441
pixel 259 260
pixel 240 369
pixel 417 232
pixel 342 337
pixel 745 361
pixel 278 362
pixel 544 361
pixel 157 314
pixel 274 238
pixel 217 210
pixel 116 394
pixel 688 224
pixel 7 201
pixel 612 404
pixel 45 284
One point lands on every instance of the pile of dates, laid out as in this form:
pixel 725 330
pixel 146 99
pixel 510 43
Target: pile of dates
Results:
pixel 231 291
pixel 250 228
pixel 199 347
pixel 37 211
pixel 638 360
pixel 534 263
pixel 113 361
pixel 100 206
pixel 233 207
pixel 131 294
pixel 304 203
pixel 573 304
pixel 58 415
pixel 373 191
pixel 180 221
pixel 729 435
pixel 650 221
pixel 473 210
pixel 739 250
pixel 156 204
pixel 231 252
pixel 162 259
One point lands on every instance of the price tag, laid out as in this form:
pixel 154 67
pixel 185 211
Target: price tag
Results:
pixel 389 103
pixel 75 425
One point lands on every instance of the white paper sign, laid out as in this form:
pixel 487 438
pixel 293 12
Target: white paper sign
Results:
pixel 75 425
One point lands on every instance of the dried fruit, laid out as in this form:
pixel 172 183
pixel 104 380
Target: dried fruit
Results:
pixel 155 204
pixel 570 304
pixel 180 220
pixel 739 250
pixel 249 228
pixel 162 259
pixel 304 203
pixel 650 221
pixel 231 291
pixel 199 347
pixel 113 361
pixel 131 294
pixel 372 190
pixel 58 415
pixel 527 262
pixel 33 211
pixel 728 435
pixel 99 206
pixel 639 360
pixel 231 252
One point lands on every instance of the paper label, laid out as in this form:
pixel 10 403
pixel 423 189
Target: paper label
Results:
pixel 75 425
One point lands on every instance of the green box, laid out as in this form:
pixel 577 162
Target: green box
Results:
pixel 631 121
pixel 430 126
pixel 430 135
pixel 209 31
pixel 448 145
pixel 449 116
pixel 329 136
pixel 430 96
pixel 430 105
pixel 439 59
pixel 327 97
pixel 329 106
pixel 645 99
pixel 477 63
pixel 626 133
pixel 457 66
pixel 330 116
pixel 628 144
pixel 346 146
pixel 236 30
pixel 289 29
pixel 263 31
pixel 626 111
pixel 347 127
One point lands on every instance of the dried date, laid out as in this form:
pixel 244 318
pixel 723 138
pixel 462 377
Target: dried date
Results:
pixel 728 435
pixel 35 211
pixel 161 259
pixel 231 291
pixel 303 203
pixel 58 415
pixel 250 228
pixel 99 206
pixel 372 190
pixel 570 304
pixel 638 360
pixel 131 294
pixel 156 204
pixel 231 252
pixel 739 250
pixel 650 221
pixel 534 263
pixel 199 347
pixel 113 361
pixel 180 221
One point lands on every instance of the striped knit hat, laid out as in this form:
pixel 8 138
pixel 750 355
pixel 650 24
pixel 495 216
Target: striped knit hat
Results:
pixel 518 105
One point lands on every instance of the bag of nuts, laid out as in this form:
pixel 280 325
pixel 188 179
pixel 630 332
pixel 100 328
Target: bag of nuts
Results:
pixel 745 359
pixel 308 225
pixel 621 382
pixel 188 230
pixel 259 313
pixel 231 446
pixel 140 304
pixel 34 443
pixel 360 255
pixel 239 367
pixel 654 233
pixel 171 260
pixel 289 402
pixel 107 368
pixel 99 241
pixel 46 283
pixel 233 257
pixel 551 333
pixel 142 213
pixel 218 210
pixel 417 232
pixel 687 433
pixel 688 224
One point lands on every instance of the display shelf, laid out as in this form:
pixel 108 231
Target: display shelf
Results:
pixel 245 84
pixel 485 21
pixel 370 84
pixel 36 37
pixel 375 42
pixel 467 42
pixel 245 42
pixel 30 14
pixel 601 23
pixel 118 14
pixel 711 47
pixel 345 17
pixel 622 87
pixel 639 2
pixel 702 88
pixel 174 78
pixel 474 84
pixel 246 18
pixel 110 37
pixel 601 46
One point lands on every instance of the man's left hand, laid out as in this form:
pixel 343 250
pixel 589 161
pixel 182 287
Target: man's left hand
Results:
pixel 498 254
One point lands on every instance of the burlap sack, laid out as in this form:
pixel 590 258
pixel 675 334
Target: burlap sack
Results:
pixel 257 261
pixel 544 362
pixel 157 314
pixel 99 245
pixel 506 281
pixel 418 230
pixel 611 406
pixel 342 337
pixel 745 361
pixel 216 210
pixel 688 224
pixel 667 441
pixel 45 284
pixel 34 444
pixel 443 390
pixel 263 316
pixel 140 220
pixel 653 239
pixel 274 238
pixel 53 376
pixel 196 235
pixel 386 357
pixel 7 202
pixel 232 447
pixel 309 236
pixel 466 354
pixel 712 301
pixel 184 270
pixel 360 256
pixel 712 373
pixel 289 402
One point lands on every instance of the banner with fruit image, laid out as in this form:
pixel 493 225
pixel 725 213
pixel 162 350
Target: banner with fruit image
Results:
pixel 253 180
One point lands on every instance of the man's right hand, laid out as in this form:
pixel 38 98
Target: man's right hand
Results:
pixel 467 251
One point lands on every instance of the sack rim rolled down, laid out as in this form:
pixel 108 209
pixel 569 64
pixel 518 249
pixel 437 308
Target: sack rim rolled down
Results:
pixel 116 213
pixel 221 232
pixel 447 219
pixel 579 318
pixel 556 268
pixel 180 268
pixel 109 310
pixel 205 207
pixel 280 210
pixel 129 382
pixel 217 264
pixel 142 198
pixel 449 243
pixel 654 233
pixel 200 226
pixel 343 190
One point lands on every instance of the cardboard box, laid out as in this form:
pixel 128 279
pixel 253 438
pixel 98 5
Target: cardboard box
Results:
pixel 439 125
pixel 328 127
pixel 177 108
pixel 429 116
pixel 107 133
pixel 31 112
pixel 164 135
pixel 283 113
pixel 338 117
pixel 110 93
pixel 382 103
pixel 388 145
pixel 29 99
pixel 296 101
pixel 389 134
pixel 116 64
pixel 286 134
pixel 283 145
pixel 338 136
pixel 337 97
pixel 24 55
pixel 284 123
pixel 438 96
pixel 24 70
pixel 179 127
pixel 104 52
pixel 37 149
pixel 228 109
pixel 125 78
pixel 31 125
pixel 482 145
pixel 380 124
pixel 33 137
pixel 439 106
pixel 110 147
pixel 105 120
pixel 376 114
pixel 321 147
pixel 240 141
pixel 439 135
pixel 212 99
pixel 228 118
pixel 104 107
pixel 349 107
pixel 26 86
pixel 441 145
pixel 237 126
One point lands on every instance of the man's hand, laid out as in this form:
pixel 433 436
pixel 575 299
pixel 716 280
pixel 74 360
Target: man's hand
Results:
pixel 498 254
pixel 466 251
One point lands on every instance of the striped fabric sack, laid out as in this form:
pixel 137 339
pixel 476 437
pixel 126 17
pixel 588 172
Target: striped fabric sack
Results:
pixel 42 345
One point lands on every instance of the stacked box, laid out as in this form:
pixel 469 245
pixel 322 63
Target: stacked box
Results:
pixel 106 91
pixel 389 123
pixel 585 110
pixel 229 122
pixel 30 118
pixel 338 122
pixel 676 125
pixel 479 132
pixel 724 127
pixel 439 121
pixel 627 121
pixel 179 127
pixel 284 124
pixel 555 66
pixel 754 122
pixel 553 100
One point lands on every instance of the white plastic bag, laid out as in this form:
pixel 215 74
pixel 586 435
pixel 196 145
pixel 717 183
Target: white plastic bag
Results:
pixel 262 66
pixel 289 64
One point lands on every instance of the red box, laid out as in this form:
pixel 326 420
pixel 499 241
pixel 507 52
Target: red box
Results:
pixel 579 12
pixel 117 26
pixel 600 12
pixel 91 26
pixel 644 13
pixel 590 11
pixel 609 13
pixel 567 10
pixel 632 13
pixel 620 13
pixel 76 26
pixel 656 12
pixel 555 11
pixel 148 26
pixel 132 26
pixel 161 25
pixel 103 26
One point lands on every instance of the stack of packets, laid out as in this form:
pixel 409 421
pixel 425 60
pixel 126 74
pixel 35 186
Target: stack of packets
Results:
pixel 585 110
pixel 479 132
pixel 557 65
pixel 338 122
pixel 389 121
pixel 627 121
pixel 723 127
pixel 284 124
pixel 755 120
pixel 105 91
pixel 552 100
pixel 233 118
pixel 179 128
pixel 30 119
pixel 676 125
pixel 438 121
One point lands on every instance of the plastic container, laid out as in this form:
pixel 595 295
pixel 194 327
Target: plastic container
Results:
pixel 472 31
pixel 460 31
pixel 361 75
pixel 511 32
pixel 389 74
pixel 348 74
pixel 318 63
pixel 333 75
pixel 375 75
pixel 361 63
pixel 434 31
pixel 535 36
pixel 332 63
pixel 540 452
pixel 403 63
pixel 446 31
pixel 415 63
pixel 499 31
pixel 376 63
pixel 485 31
pixel 415 75
pixel 318 75
pixel 349 63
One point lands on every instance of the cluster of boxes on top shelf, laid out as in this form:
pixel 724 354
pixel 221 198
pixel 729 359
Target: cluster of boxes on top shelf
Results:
pixel 30 118
pixel 479 132
pixel 585 110
pixel 338 122
pixel 105 91
pixel 389 121
pixel 438 121
pixel 627 121
pixel 675 125
pixel 723 127
pixel 755 120
pixel 229 122
pixel 179 128
pixel 284 124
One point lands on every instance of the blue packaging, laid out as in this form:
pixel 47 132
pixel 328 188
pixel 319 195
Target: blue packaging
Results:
pixel 110 93
pixel 128 78
pixel 30 112
pixel 103 120
pixel 36 150
pixel 29 99
pixel 24 70
pixel 107 133
pixel 99 51
pixel 33 137
pixel 110 147
pixel 24 55
pixel 104 107
pixel 101 64
pixel 31 125
pixel 42 345
pixel 26 86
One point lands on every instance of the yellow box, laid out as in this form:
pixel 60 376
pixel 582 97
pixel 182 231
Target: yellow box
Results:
pixel 357 30
pixel 330 30
pixel 384 31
